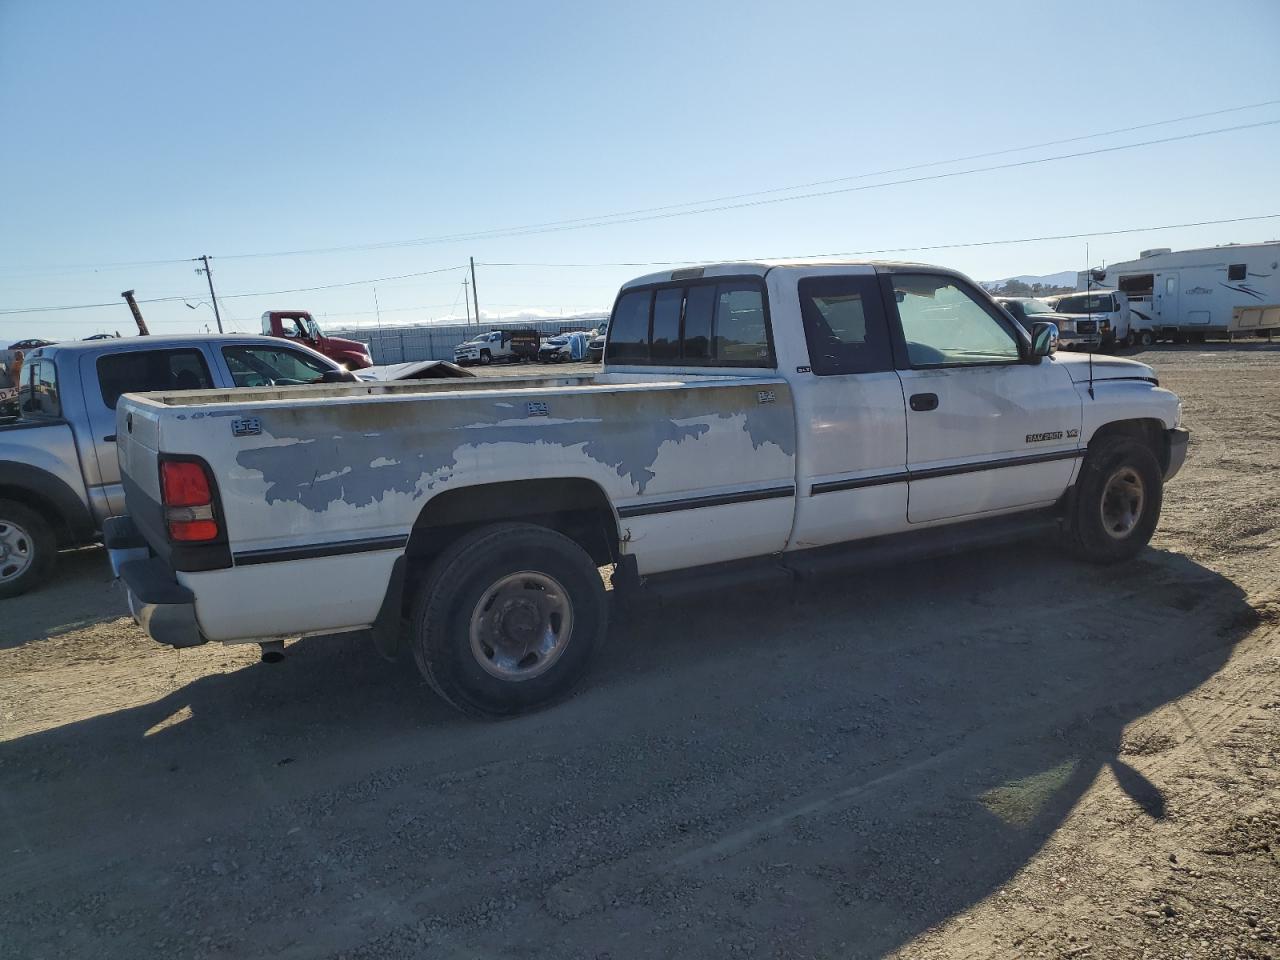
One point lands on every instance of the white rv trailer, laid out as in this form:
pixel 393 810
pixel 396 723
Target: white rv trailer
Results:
pixel 1192 293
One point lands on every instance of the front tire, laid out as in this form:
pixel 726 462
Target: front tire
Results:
pixel 486 358
pixel 1146 338
pixel 28 548
pixel 1117 501
pixel 507 619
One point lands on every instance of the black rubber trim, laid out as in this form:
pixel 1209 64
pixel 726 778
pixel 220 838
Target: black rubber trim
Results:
pixel 151 582
pixel 120 533
pixel 831 486
pixel 715 500
pixel 904 476
pixel 312 551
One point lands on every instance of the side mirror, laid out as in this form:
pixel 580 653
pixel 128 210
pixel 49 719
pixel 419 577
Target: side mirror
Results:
pixel 1044 339
pixel 339 376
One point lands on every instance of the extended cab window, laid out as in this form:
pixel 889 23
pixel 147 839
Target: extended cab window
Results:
pixel 844 325
pixel 722 324
pixel 945 326
pixel 270 366
pixel 141 371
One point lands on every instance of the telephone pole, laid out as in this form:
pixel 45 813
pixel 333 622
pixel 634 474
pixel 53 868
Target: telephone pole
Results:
pixel 475 299
pixel 213 296
pixel 466 303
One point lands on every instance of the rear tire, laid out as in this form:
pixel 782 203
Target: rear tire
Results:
pixel 28 548
pixel 507 619
pixel 1117 501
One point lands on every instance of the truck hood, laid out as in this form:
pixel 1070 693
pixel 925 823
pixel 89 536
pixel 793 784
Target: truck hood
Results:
pixel 1104 368
pixel 342 343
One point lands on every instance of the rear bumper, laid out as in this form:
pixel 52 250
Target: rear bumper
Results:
pixel 159 604
pixel 1176 442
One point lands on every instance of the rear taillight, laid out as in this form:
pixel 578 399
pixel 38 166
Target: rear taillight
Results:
pixel 188 501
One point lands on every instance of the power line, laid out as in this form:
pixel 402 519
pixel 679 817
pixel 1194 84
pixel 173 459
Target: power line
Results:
pixel 668 211
pixel 936 246
pixel 666 263
pixel 705 205
pixel 231 296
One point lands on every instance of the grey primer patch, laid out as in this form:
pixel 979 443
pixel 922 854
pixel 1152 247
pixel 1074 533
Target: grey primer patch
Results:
pixel 336 464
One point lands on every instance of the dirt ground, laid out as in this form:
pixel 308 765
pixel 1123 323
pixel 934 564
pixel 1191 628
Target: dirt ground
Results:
pixel 999 754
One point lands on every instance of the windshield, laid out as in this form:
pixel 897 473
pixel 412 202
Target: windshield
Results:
pixel 1030 307
pixel 1085 303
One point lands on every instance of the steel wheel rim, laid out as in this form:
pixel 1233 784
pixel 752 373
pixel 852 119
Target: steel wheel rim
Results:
pixel 1123 497
pixel 521 625
pixel 17 551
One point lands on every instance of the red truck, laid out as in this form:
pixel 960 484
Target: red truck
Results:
pixel 300 327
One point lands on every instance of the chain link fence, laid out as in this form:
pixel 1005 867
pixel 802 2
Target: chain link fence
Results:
pixel 436 341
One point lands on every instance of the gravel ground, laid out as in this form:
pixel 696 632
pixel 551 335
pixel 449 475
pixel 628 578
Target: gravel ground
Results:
pixel 1001 754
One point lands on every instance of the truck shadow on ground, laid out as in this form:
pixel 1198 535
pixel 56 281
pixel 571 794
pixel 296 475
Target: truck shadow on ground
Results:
pixel 80 593
pixel 834 768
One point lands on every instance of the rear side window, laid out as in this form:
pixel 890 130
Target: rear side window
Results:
pixel 40 395
pixel 629 328
pixel 272 366
pixel 1237 272
pixel 720 324
pixel 141 371
pixel 845 326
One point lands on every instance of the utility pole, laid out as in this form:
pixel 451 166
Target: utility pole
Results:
pixel 474 295
pixel 466 303
pixel 213 296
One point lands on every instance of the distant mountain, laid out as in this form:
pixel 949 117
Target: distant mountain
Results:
pixel 1066 278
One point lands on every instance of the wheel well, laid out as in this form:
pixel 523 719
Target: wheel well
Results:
pixel 577 508
pixel 46 508
pixel 1146 431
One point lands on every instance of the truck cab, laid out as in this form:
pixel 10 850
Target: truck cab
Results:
pixel 300 327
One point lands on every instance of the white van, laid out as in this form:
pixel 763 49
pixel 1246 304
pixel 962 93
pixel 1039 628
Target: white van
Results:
pixel 1101 318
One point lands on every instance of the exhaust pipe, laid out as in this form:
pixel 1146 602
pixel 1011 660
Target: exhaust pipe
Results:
pixel 272 651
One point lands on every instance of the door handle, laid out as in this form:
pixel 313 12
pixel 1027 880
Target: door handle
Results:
pixel 109 438
pixel 924 401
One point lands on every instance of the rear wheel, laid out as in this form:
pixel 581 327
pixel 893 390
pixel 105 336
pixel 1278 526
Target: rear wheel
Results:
pixel 1117 501
pixel 507 619
pixel 27 548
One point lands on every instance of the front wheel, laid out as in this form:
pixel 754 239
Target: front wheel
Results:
pixel 1117 501
pixel 1146 338
pixel 507 619
pixel 27 548
pixel 486 358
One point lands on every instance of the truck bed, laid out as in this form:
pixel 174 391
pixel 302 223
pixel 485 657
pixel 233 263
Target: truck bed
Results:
pixel 344 465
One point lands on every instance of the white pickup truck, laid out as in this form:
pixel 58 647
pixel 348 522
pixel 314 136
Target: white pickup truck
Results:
pixel 750 418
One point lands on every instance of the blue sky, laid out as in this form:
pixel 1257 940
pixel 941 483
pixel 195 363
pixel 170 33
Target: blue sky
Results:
pixel 162 131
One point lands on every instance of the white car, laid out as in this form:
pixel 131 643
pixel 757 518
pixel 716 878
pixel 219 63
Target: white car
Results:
pixel 750 417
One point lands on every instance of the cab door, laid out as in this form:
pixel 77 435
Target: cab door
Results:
pixel 987 431
pixel 851 447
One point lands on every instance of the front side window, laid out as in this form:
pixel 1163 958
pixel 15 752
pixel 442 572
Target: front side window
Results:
pixel 141 371
pixel 721 324
pixel 271 366
pixel 945 326
pixel 844 325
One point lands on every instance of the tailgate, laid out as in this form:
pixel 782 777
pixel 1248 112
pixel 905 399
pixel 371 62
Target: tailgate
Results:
pixel 138 446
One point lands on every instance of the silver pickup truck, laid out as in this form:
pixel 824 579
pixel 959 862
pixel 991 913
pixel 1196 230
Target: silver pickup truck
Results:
pixel 59 475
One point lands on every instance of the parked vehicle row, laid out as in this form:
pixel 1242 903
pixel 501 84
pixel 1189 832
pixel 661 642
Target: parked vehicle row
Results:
pixel 751 419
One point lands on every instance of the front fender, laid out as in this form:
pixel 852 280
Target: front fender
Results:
pixel 1116 400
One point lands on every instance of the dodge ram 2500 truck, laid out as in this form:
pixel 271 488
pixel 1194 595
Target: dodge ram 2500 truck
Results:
pixel 748 416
